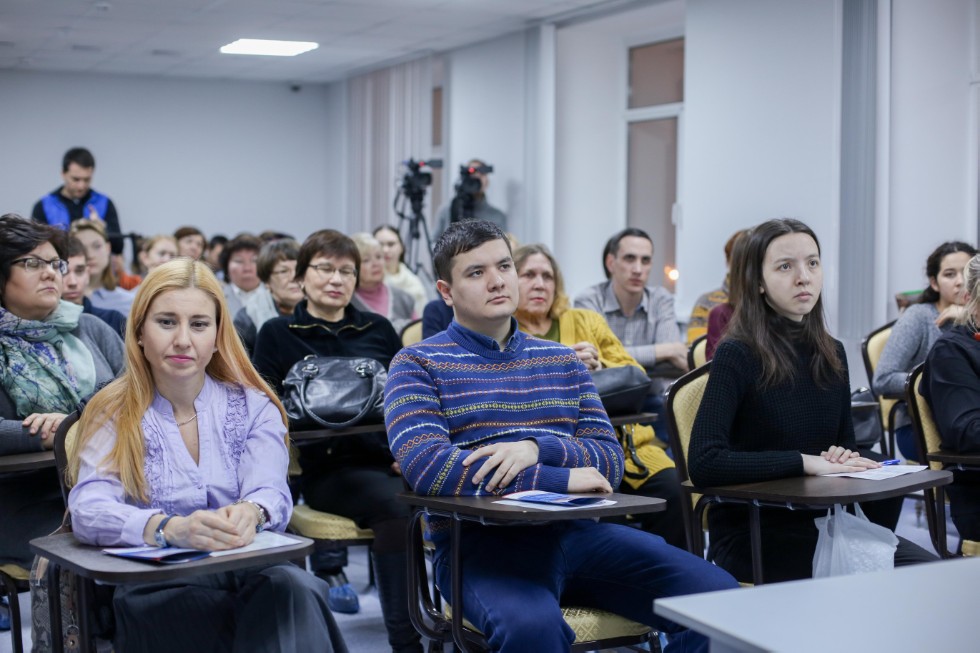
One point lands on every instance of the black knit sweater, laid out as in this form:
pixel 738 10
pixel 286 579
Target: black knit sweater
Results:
pixel 745 434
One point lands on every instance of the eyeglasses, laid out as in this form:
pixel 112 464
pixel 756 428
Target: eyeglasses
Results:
pixel 284 273
pixel 326 271
pixel 33 264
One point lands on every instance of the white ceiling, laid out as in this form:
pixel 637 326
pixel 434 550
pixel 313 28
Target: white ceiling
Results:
pixel 180 38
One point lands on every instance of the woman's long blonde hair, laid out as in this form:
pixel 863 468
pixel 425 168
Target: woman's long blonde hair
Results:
pixel 127 399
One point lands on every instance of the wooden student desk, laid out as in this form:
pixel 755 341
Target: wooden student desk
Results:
pixel 815 492
pixel 63 550
pixel 485 511
pixel 928 607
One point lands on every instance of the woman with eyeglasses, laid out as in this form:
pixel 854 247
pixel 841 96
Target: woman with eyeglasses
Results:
pixel 103 286
pixel 278 294
pixel 352 476
pixel 52 356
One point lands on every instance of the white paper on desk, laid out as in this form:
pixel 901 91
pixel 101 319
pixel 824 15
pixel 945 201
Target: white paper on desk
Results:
pixel 882 473
pixel 515 497
pixel 263 540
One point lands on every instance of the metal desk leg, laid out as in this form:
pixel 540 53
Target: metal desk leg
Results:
pixel 83 589
pixel 54 608
pixel 755 534
pixel 456 572
pixel 940 495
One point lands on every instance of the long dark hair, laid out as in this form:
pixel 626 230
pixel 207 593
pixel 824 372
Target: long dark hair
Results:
pixel 934 266
pixel 757 325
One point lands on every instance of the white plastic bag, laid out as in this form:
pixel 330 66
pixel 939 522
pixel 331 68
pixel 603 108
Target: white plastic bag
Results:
pixel 850 544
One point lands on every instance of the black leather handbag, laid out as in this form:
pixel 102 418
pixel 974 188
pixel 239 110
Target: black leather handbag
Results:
pixel 622 389
pixel 334 393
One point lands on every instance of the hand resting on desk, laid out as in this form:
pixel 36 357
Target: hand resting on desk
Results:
pixel 228 527
pixel 505 459
pixel 851 461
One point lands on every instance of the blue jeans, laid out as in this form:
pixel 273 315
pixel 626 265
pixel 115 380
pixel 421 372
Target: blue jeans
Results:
pixel 513 578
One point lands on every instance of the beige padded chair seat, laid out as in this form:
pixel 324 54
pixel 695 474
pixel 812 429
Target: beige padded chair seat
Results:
pixel 588 624
pixel 324 526
pixel 16 572
pixel 971 548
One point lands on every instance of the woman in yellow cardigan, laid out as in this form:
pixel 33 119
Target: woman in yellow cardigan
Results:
pixel 544 312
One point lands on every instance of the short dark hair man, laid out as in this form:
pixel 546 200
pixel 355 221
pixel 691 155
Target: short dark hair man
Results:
pixel 75 283
pixel 483 408
pixel 76 199
pixel 642 316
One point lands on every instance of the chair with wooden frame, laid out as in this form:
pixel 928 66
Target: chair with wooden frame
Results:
pixel 411 333
pixel 682 403
pixel 594 629
pixel 871 348
pixel 697 353
pixel 928 440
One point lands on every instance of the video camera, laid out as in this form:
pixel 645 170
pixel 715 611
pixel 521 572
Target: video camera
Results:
pixel 469 183
pixel 416 180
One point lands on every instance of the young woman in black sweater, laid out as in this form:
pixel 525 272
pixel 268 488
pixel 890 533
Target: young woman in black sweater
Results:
pixel 777 404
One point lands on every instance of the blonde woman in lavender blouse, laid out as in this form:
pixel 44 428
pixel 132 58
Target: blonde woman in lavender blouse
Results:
pixel 188 448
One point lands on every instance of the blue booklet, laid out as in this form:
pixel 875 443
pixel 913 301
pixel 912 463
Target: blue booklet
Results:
pixel 558 499
pixel 167 555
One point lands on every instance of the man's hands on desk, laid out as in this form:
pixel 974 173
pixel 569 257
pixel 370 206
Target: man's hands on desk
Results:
pixel 836 460
pixel 508 459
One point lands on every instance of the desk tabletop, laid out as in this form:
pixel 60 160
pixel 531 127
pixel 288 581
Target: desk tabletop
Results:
pixel 486 508
pixel 90 562
pixel 826 490
pixel 22 462
pixel 637 418
pixel 950 458
pixel 929 607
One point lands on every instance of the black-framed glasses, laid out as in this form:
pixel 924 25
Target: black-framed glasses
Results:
pixel 326 271
pixel 33 264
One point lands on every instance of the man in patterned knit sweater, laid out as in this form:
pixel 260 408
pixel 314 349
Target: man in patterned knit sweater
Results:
pixel 485 409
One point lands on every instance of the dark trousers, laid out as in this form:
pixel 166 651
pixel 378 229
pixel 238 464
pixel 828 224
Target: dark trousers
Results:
pixel 787 551
pixel 514 576
pixel 30 506
pixel 277 608
pixel 964 503
pixel 668 524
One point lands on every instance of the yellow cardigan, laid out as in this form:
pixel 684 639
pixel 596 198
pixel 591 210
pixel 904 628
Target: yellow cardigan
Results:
pixel 581 325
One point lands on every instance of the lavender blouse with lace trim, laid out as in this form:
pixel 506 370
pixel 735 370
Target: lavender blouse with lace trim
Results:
pixel 242 455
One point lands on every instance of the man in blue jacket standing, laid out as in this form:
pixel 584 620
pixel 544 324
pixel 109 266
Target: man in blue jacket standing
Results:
pixel 75 199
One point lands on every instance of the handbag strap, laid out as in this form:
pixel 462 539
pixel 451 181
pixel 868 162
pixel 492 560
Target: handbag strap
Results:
pixel 642 471
pixel 365 409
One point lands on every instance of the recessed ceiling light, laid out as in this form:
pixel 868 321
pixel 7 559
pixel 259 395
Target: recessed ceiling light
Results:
pixel 269 48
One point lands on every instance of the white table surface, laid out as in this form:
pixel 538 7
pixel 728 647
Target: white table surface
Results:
pixel 930 607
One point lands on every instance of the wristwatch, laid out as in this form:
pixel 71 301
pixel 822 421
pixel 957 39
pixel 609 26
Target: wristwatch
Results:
pixel 263 517
pixel 160 538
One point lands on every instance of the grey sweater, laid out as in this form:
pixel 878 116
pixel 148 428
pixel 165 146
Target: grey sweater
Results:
pixel 910 341
pixel 107 352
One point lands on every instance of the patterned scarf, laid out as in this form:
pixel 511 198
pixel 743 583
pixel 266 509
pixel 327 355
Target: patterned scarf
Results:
pixel 33 368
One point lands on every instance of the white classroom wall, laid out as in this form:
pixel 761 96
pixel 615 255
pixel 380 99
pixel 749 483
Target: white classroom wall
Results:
pixel 933 149
pixel 226 156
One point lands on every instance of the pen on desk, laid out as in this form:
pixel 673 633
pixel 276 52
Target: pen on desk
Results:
pixel 894 461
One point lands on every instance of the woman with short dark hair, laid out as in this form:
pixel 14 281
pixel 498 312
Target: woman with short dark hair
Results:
pixel 52 356
pixel 352 476
pixel 278 294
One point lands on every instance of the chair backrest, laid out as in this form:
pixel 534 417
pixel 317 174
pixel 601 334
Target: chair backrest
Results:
pixel 683 401
pixel 697 354
pixel 411 333
pixel 927 438
pixel 64 450
pixel 871 348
